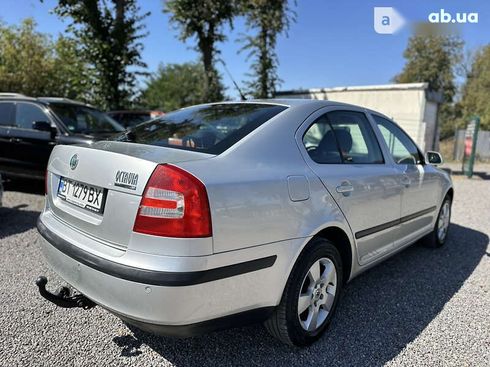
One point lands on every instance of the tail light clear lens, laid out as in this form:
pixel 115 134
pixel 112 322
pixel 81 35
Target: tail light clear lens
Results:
pixel 174 204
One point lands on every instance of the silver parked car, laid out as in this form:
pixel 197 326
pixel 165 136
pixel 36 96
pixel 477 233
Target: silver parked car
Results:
pixel 224 214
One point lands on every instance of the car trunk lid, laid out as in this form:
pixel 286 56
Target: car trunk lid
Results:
pixel 121 170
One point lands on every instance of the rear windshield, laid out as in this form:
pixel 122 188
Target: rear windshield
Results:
pixel 84 120
pixel 208 129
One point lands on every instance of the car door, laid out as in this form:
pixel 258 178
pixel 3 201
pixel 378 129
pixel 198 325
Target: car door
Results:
pixel 31 147
pixel 420 188
pixel 7 121
pixel 342 149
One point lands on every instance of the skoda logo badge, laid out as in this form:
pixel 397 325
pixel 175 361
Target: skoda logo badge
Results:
pixel 74 161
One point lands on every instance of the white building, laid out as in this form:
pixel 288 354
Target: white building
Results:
pixel 411 105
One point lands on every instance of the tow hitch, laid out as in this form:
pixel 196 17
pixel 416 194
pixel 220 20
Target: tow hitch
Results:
pixel 63 297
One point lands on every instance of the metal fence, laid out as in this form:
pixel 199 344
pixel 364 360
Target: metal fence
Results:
pixel 482 145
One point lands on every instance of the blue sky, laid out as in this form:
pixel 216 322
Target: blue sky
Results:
pixel 333 43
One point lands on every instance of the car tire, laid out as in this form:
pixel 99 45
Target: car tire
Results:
pixel 317 276
pixel 438 236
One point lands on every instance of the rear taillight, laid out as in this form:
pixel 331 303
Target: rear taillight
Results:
pixel 174 204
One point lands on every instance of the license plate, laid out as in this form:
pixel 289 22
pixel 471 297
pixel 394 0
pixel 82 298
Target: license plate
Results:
pixel 82 195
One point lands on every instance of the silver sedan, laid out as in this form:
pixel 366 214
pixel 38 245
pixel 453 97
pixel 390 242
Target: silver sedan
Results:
pixel 224 214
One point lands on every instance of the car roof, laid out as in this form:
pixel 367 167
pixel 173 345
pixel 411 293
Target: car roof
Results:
pixel 49 100
pixel 318 103
pixel 16 97
pixel 11 97
pixel 293 102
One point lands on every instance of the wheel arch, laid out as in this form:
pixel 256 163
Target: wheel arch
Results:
pixel 338 235
pixel 341 241
pixel 450 193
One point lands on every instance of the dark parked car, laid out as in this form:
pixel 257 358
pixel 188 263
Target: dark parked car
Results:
pixel 128 118
pixel 1 190
pixel 31 127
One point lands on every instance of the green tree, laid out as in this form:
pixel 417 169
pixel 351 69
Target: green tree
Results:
pixel 433 59
pixel 204 20
pixel 270 18
pixel 476 91
pixel 33 64
pixel 25 59
pixel 71 76
pixel 175 86
pixel 110 33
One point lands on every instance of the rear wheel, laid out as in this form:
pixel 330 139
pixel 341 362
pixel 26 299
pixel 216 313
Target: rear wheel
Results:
pixel 438 236
pixel 310 297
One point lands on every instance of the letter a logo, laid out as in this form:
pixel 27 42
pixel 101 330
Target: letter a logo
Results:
pixel 387 20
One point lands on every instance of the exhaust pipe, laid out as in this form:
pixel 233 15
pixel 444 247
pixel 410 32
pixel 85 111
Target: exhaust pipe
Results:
pixel 63 297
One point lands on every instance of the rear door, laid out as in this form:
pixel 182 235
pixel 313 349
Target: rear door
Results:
pixel 342 149
pixel 420 187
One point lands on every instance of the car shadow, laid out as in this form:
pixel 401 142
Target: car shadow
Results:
pixel 380 312
pixel 482 175
pixel 27 186
pixel 15 220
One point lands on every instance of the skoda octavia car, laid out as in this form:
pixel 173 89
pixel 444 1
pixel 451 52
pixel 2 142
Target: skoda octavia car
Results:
pixel 230 213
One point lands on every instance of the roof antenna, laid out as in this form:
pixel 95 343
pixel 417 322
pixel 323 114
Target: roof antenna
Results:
pixel 242 96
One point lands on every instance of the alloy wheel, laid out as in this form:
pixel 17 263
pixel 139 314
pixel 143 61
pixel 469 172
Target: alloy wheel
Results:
pixel 317 294
pixel 443 222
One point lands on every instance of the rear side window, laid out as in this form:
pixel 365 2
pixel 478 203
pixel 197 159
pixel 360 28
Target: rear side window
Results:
pixel 320 142
pixel 342 137
pixel 7 114
pixel 208 129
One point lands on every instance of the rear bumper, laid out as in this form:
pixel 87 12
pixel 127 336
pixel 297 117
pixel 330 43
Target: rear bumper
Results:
pixel 199 328
pixel 147 276
pixel 180 303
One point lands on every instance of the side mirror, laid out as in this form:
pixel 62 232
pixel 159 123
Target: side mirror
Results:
pixel 42 126
pixel 434 158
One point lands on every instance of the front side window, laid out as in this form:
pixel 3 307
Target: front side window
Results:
pixel 342 137
pixel 401 147
pixel 27 114
pixel 7 114
pixel 207 128
pixel 84 120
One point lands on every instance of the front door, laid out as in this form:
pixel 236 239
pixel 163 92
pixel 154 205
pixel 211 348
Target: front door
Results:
pixel 420 187
pixel 344 152
pixel 7 144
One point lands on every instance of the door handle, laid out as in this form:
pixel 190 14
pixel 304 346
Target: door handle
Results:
pixel 406 181
pixel 345 188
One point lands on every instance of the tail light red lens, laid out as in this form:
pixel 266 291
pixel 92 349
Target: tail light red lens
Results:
pixel 174 204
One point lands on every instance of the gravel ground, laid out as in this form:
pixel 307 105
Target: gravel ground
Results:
pixel 421 307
